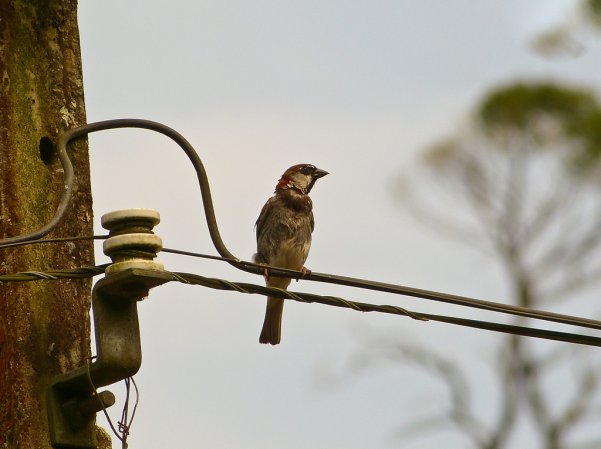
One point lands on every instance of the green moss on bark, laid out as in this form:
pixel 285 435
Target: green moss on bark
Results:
pixel 44 326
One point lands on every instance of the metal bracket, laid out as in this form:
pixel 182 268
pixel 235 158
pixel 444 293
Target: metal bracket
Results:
pixel 72 404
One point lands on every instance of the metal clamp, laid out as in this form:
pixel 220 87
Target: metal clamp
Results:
pixel 72 402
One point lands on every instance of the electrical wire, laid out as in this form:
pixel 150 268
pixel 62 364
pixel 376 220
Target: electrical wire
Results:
pixel 54 275
pixel 75 133
pixel 124 425
pixel 248 288
pixel 372 285
pixel 423 294
pixel 211 220
pixel 63 202
pixel 55 240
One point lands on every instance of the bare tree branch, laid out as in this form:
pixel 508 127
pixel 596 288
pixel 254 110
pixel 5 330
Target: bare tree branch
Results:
pixel 510 170
pixel 459 413
pixel 422 209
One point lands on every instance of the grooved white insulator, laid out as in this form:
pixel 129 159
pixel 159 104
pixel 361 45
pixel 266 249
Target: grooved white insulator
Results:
pixel 112 219
pixel 131 243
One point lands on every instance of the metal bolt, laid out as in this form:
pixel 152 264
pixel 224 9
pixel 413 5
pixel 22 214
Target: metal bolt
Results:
pixel 95 403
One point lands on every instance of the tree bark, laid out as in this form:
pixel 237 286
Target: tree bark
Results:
pixel 44 325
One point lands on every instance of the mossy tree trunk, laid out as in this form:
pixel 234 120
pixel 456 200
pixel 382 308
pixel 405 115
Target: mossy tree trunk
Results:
pixel 44 325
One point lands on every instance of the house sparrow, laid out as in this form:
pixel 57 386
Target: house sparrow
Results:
pixel 284 230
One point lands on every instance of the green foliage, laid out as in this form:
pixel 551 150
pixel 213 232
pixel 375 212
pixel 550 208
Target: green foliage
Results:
pixel 571 37
pixel 588 132
pixel 522 107
pixel 593 10
pixel 522 178
pixel 442 154
pixel 545 113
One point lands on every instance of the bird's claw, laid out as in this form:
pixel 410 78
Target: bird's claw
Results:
pixel 266 272
pixel 304 273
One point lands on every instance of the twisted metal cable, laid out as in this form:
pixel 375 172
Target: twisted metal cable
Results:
pixel 437 296
pixel 243 287
pixel 54 275
pixel 334 301
pixel 420 293
pixel 75 133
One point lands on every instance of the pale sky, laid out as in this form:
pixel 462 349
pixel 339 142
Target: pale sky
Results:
pixel 357 88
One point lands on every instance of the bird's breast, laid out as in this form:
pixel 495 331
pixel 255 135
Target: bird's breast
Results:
pixel 284 233
pixel 292 253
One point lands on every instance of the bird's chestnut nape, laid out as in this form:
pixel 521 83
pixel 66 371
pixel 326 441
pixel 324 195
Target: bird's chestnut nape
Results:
pixel 301 177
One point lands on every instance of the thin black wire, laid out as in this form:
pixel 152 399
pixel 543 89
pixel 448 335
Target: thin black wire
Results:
pixel 437 296
pixel 242 287
pixel 54 275
pixel 201 255
pixel 124 425
pixel 84 130
pixel 106 414
pixel 313 276
pixel 64 200
pixel 55 240
pixel 207 202
pixel 221 284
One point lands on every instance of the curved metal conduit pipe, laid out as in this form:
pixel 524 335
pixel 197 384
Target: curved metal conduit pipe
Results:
pixel 207 201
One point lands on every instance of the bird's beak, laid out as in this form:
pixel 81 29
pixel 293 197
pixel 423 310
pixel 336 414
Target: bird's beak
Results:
pixel 319 173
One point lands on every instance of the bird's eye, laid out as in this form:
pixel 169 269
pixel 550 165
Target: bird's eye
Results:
pixel 307 169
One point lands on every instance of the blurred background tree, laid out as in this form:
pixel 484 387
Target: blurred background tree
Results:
pixel 525 170
pixel 570 37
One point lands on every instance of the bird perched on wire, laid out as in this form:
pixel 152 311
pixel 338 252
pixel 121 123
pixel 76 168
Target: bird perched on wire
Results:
pixel 284 230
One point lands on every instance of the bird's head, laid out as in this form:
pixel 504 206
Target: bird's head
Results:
pixel 301 177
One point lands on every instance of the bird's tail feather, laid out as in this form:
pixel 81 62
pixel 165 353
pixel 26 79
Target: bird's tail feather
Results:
pixel 272 326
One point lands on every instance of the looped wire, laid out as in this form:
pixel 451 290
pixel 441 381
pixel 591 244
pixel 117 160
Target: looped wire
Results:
pixel 124 425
